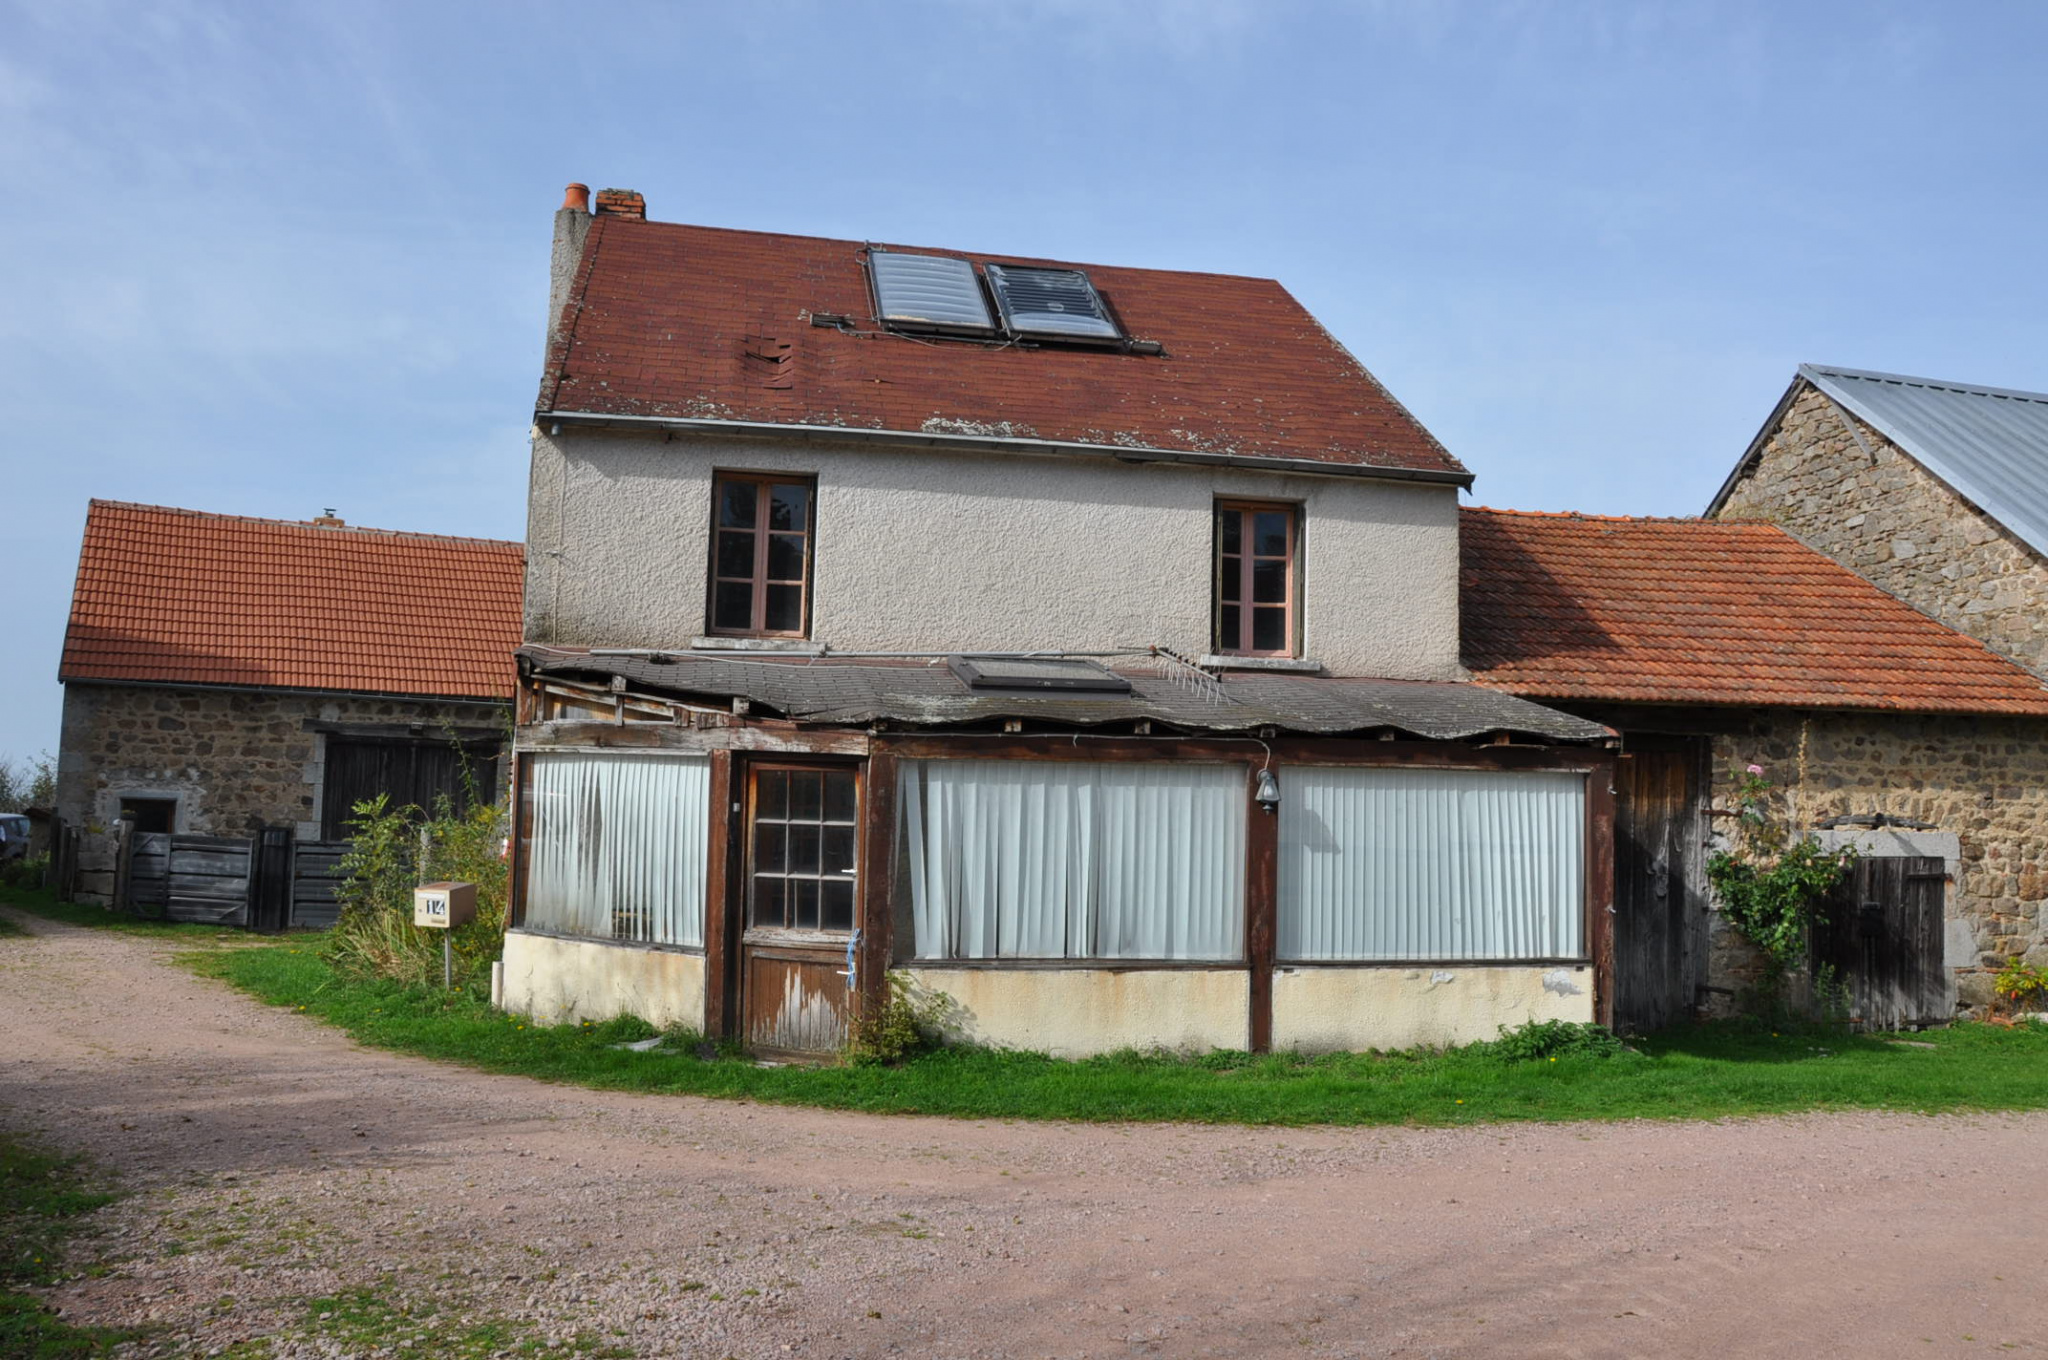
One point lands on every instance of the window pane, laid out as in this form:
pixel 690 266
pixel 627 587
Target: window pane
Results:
pixel 789 507
pixel 803 795
pixel 736 554
pixel 618 845
pixel 838 849
pixel 768 848
pixel 785 609
pixel 1269 582
pixel 1269 630
pixel 771 794
pixel 839 795
pixel 768 909
pixel 803 903
pixel 736 504
pixel 1229 531
pixel 803 848
pixel 1269 533
pixel 1230 577
pixel 732 606
pixel 786 557
pixel 837 908
pixel 1230 640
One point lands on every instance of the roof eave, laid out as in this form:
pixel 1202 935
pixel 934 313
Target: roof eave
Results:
pixel 1005 444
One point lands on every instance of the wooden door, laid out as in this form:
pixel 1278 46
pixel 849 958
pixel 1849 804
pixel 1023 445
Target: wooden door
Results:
pixel 409 772
pixel 1881 934
pixel 799 938
pixel 1659 874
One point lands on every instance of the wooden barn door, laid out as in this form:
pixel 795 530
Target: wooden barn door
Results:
pixel 1882 934
pixel 799 942
pixel 1659 872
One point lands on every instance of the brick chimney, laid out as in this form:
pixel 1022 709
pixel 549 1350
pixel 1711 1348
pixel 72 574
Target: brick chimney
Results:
pixel 572 225
pixel 621 203
pixel 327 519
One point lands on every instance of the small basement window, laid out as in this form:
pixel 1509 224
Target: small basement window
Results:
pixel 1057 304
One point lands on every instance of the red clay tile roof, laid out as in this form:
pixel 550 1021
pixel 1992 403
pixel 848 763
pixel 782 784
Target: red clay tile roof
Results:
pixel 1706 612
pixel 184 597
pixel 698 322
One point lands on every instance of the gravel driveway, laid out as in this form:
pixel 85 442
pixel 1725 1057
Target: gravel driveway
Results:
pixel 272 1161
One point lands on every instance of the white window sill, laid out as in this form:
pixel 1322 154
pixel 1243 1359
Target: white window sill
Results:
pixel 1293 665
pixel 796 646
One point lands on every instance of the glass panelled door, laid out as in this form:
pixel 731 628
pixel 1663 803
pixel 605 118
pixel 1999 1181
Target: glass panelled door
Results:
pixel 803 836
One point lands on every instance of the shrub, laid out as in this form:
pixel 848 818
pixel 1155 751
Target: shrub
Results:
pixel 394 850
pixel 1541 1039
pixel 2021 985
pixel 906 1024
pixel 26 872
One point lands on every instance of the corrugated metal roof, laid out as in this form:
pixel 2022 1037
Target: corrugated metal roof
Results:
pixel 856 693
pixel 1989 443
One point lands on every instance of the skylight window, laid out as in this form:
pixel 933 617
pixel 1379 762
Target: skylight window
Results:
pixel 928 293
pixel 1050 303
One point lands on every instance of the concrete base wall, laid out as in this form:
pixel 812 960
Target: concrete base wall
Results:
pixel 559 981
pixel 1078 1012
pixel 1319 1010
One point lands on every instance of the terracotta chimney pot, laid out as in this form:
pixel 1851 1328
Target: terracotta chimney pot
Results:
pixel 578 198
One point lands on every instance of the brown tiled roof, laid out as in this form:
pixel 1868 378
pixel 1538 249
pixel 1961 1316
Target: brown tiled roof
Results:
pixel 697 322
pixel 184 597
pixel 1706 612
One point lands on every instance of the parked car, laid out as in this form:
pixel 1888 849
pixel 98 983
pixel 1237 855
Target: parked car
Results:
pixel 13 836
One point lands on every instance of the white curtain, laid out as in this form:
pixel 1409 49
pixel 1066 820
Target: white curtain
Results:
pixel 1410 864
pixel 1075 860
pixel 618 848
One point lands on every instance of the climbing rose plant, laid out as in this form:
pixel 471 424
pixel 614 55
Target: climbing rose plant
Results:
pixel 1770 883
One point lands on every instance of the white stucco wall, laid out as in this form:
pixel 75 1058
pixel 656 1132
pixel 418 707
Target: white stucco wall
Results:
pixel 927 551
pixel 1320 1010
pixel 1078 1012
pixel 558 981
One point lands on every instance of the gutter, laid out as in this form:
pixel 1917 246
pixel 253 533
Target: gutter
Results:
pixel 998 444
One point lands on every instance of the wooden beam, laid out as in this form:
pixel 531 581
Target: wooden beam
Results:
pixel 723 866
pixel 788 740
pixel 1600 904
pixel 521 847
pixel 877 915
pixel 1261 901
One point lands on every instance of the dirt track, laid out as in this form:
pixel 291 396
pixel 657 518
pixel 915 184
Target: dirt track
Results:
pixel 286 1163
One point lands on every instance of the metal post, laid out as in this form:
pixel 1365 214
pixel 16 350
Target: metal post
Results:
pixel 447 967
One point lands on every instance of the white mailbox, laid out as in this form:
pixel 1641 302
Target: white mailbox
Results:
pixel 443 905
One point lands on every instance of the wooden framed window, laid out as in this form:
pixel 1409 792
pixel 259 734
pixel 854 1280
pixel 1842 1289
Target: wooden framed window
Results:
pixel 1257 563
pixel 803 836
pixel 761 555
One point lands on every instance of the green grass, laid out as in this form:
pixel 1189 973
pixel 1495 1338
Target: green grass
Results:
pixel 42 902
pixel 1700 1072
pixel 41 1200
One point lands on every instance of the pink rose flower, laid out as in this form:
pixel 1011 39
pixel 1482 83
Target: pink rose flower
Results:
pixel 1756 769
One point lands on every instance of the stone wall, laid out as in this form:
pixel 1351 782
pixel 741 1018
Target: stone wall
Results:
pixel 1983 779
pixel 235 760
pixel 1876 511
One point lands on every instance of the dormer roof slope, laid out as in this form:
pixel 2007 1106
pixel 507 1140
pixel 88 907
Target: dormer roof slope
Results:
pixel 701 323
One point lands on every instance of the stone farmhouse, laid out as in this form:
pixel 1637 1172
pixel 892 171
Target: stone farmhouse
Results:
pixel 1080 641
pixel 1106 649
pixel 223 675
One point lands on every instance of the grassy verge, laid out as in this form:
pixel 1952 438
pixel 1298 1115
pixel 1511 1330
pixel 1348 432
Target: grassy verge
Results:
pixel 41 902
pixel 41 1200
pixel 1693 1073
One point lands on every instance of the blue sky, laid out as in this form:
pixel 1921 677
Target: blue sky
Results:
pixel 269 257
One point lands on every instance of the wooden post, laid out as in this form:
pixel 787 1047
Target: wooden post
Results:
pixel 1261 899
pixel 877 912
pixel 721 939
pixel 1600 793
pixel 124 862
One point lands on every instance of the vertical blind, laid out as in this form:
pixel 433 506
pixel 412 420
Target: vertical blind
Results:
pixel 1395 864
pixel 618 848
pixel 1070 860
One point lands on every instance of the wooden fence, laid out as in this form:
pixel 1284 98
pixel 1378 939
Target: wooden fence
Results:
pixel 269 882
